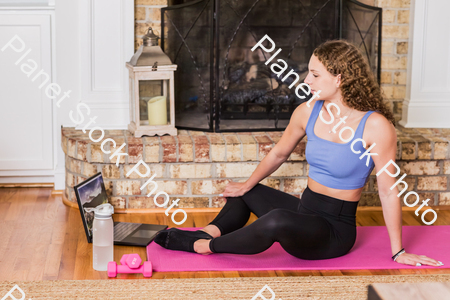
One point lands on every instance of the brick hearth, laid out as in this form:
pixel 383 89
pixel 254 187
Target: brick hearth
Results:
pixel 196 166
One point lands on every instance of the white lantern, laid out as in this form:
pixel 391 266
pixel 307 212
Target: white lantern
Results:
pixel 151 78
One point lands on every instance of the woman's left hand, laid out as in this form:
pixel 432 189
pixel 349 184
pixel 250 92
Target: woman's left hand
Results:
pixel 413 259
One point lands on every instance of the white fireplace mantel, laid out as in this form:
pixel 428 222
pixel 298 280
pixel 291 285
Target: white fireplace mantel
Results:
pixel 427 102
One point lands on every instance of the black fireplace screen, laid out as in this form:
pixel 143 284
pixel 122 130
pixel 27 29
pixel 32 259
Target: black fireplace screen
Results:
pixel 221 85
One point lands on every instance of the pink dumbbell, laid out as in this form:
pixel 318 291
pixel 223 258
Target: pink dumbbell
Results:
pixel 130 263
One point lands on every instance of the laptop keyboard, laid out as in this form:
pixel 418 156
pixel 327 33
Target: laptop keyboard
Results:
pixel 122 230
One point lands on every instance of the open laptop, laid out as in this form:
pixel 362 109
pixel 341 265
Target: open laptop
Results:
pixel 92 193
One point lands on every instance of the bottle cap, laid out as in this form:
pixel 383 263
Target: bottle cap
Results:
pixel 103 211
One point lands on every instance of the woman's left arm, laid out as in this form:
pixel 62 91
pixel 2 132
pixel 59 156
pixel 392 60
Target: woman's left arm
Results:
pixel 382 133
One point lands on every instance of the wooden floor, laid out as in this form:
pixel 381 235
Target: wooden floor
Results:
pixel 42 239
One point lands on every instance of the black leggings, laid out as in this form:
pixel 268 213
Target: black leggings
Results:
pixel 313 227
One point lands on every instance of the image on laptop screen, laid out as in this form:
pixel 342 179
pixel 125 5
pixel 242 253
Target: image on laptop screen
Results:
pixel 91 193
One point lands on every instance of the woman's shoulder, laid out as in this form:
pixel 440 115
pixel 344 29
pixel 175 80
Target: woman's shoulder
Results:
pixel 303 113
pixel 378 127
pixel 376 119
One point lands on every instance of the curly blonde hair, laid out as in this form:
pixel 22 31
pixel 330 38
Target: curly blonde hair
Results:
pixel 358 86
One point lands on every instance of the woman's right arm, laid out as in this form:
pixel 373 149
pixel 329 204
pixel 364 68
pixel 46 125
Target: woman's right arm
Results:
pixel 292 135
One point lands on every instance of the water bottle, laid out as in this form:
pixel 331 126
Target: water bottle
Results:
pixel 103 237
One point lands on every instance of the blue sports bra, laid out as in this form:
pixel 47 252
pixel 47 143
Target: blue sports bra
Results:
pixel 333 164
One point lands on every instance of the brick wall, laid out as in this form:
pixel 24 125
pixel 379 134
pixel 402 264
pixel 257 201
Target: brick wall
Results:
pixel 395 38
pixel 196 166
pixel 147 13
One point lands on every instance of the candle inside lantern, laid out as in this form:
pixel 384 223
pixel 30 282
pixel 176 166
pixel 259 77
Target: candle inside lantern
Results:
pixel 157 111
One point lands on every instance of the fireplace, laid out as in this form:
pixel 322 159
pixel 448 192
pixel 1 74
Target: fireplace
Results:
pixel 223 86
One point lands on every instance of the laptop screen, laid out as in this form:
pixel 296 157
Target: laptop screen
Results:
pixel 90 193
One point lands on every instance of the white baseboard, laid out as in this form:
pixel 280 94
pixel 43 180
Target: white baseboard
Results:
pixel 27 179
pixel 426 114
pixel 60 179
pixel 27 173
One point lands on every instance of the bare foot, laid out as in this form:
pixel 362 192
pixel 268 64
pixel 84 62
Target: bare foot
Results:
pixel 212 230
pixel 202 247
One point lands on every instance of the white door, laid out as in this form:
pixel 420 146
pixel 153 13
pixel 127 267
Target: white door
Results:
pixel 26 140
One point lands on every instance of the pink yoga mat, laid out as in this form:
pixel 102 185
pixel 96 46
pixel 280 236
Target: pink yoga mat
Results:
pixel 371 251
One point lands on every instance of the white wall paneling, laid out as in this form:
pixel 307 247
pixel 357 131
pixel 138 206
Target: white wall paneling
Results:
pixel 106 38
pixel 427 102
pixel 26 113
pixel 87 48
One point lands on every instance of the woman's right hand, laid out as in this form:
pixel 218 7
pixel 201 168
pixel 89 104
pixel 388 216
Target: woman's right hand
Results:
pixel 235 189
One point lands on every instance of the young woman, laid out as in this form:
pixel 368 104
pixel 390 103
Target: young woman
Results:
pixel 321 224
